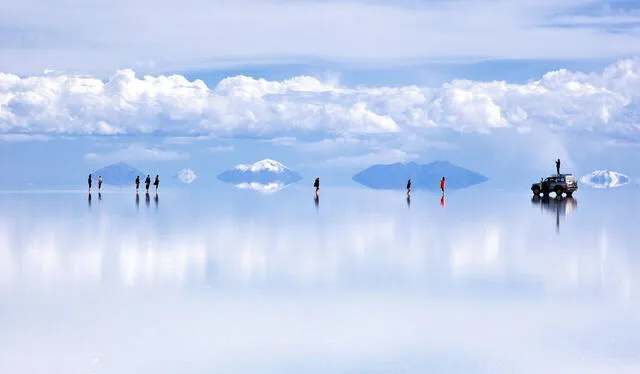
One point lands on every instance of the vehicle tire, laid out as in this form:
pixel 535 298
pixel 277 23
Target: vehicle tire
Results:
pixel 569 194
pixel 536 191
pixel 558 191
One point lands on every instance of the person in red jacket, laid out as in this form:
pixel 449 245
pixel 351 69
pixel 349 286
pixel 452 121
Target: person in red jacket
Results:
pixel 442 182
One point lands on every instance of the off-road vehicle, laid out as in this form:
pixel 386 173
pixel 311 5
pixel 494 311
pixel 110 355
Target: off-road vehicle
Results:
pixel 559 183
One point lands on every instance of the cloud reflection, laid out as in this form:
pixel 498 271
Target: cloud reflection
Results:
pixel 346 251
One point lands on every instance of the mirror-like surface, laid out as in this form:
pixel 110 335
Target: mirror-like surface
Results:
pixel 359 281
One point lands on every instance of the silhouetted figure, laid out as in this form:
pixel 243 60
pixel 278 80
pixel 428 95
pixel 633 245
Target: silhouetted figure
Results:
pixel 442 183
pixel 89 182
pixel 409 187
pixel 137 184
pixel 147 183
pixel 316 185
pixel 157 183
pixel 558 166
pixel 99 183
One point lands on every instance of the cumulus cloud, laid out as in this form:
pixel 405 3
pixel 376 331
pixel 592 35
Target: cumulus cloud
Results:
pixel 186 176
pixel 605 103
pixel 136 152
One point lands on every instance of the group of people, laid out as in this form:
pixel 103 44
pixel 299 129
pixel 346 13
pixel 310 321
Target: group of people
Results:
pixel 147 182
pixel 442 184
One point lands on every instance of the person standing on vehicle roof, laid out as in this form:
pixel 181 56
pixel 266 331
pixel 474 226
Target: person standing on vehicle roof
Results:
pixel 558 166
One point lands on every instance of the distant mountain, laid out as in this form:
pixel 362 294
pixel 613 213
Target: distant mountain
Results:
pixel 264 172
pixel 119 174
pixel 605 179
pixel 427 176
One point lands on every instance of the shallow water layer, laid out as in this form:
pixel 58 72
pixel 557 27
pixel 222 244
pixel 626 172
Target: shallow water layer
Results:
pixel 360 281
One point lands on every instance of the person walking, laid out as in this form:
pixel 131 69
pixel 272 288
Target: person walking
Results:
pixel 157 183
pixel 137 184
pixel 147 183
pixel 99 183
pixel 409 187
pixel 558 166
pixel 442 183
pixel 316 185
pixel 89 182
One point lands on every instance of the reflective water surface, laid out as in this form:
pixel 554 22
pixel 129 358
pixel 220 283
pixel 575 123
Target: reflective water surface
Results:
pixel 356 281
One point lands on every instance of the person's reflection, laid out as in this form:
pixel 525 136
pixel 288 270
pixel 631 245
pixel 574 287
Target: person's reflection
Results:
pixel 99 196
pixel 409 201
pixel 316 201
pixel 147 199
pixel 442 202
pixel 155 200
pixel 137 201
pixel 89 199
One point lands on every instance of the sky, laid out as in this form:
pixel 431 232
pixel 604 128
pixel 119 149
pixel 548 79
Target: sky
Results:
pixel 326 87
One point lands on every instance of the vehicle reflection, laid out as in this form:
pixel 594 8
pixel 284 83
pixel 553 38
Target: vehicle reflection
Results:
pixel 559 206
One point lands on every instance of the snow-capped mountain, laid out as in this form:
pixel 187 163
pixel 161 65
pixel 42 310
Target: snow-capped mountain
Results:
pixel 265 172
pixel 605 179
pixel 266 164
pixel 186 176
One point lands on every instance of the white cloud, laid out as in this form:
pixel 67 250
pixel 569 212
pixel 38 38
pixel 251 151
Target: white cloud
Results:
pixel 186 176
pixel 287 141
pixel 380 157
pixel 185 140
pixel 221 148
pixel 605 103
pixel 108 35
pixel 18 138
pixel 136 152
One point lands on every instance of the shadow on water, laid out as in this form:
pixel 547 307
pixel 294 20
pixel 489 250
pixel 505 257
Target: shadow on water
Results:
pixel 558 206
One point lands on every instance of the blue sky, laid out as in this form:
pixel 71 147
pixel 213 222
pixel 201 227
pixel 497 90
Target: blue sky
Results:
pixel 327 87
